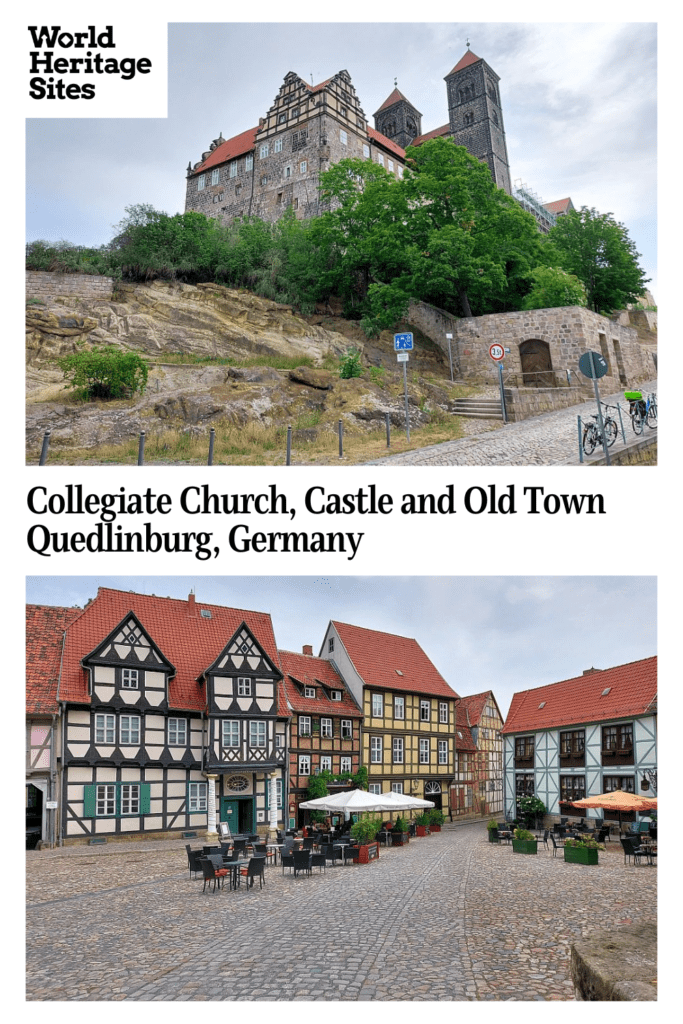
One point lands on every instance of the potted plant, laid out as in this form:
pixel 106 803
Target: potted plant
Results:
pixel 524 841
pixel 365 831
pixel 399 833
pixel 493 831
pixel 422 824
pixel 436 819
pixel 582 851
pixel 532 810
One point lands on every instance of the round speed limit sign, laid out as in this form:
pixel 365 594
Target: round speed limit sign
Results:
pixel 496 351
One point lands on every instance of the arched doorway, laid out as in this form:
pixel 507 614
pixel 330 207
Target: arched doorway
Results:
pixel 537 367
pixel 433 793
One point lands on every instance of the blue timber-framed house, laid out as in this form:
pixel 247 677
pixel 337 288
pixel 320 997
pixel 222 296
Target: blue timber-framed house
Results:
pixel 581 737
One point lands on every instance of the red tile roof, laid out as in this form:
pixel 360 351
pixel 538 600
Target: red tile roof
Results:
pixel 238 145
pixel 464 743
pixel 560 206
pixel 445 129
pixel 187 639
pixel 379 657
pixel 395 97
pixel 474 705
pixel 464 62
pixel 382 140
pixel 632 691
pixel 311 671
pixel 44 638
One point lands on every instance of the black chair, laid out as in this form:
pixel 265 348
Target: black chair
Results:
pixel 254 869
pixel 212 873
pixel 603 834
pixel 261 850
pixel 543 837
pixel 632 848
pixel 287 859
pixel 351 853
pixel 318 860
pixel 331 852
pixel 193 860
pixel 239 845
pixel 556 845
pixel 308 843
pixel 302 861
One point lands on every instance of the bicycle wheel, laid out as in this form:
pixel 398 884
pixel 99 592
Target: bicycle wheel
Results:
pixel 611 431
pixel 652 416
pixel 590 438
pixel 637 421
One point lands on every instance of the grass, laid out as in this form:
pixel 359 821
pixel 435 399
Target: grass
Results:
pixel 258 445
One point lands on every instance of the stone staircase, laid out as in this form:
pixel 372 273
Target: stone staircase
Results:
pixel 478 408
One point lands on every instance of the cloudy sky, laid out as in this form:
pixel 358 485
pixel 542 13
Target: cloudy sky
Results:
pixel 500 633
pixel 579 105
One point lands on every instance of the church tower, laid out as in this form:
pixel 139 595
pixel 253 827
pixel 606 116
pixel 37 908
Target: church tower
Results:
pixel 476 116
pixel 398 119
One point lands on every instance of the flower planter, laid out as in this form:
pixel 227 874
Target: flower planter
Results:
pixel 524 846
pixel 493 836
pixel 422 830
pixel 368 853
pixel 435 828
pixel 580 855
pixel 400 838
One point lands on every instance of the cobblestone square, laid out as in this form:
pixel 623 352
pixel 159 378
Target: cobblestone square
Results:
pixel 448 917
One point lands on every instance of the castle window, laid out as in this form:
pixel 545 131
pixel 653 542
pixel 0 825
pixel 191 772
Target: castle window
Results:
pixel 215 198
pixel 201 182
pixel 238 189
pixel 288 172
pixel 400 171
pixel 277 147
pixel 215 176
pixel 263 152
pixel 343 137
pixel 390 165
pixel 469 118
pixel 264 179
pixel 366 151
pixel 299 139
pixel 302 167
pixel 249 162
pixel 279 197
pixel 295 204
pixel 233 169
pixel 282 118
pixel 343 111
pixel 295 111
pixel 380 159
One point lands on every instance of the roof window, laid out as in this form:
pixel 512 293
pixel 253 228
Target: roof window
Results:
pixel 205 613
pixel 398 672
pixel 541 705
pixel 605 691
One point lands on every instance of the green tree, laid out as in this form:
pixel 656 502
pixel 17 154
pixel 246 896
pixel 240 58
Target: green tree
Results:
pixel 554 287
pixel 597 249
pixel 105 372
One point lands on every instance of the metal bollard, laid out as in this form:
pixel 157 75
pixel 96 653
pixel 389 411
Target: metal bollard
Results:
pixel 580 445
pixel 212 435
pixel 387 419
pixel 341 440
pixel 141 449
pixel 43 450
pixel 289 447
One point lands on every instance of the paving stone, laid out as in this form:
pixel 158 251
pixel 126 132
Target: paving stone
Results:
pixel 452 917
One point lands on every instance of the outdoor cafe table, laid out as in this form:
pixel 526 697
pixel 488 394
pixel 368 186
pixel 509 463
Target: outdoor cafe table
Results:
pixel 233 867
pixel 385 836
pixel 277 847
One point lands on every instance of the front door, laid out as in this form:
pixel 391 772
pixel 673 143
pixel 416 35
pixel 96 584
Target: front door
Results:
pixel 238 814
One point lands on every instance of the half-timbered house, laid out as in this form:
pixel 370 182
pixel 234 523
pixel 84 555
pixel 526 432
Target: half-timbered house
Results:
pixel 408 710
pixel 477 789
pixel 325 725
pixel 583 736
pixel 170 718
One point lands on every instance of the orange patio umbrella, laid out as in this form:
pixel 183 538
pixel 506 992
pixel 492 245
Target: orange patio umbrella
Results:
pixel 618 800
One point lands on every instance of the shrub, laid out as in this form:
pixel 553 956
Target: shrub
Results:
pixel 400 825
pixel 105 372
pixel 366 829
pixel 422 819
pixel 491 825
pixel 523 833
pixel 350 365
pixel 587 843
pixel 436 817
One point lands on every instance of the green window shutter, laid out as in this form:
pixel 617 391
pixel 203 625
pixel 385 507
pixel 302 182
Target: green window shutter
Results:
pixel 144 797
pixel 89 800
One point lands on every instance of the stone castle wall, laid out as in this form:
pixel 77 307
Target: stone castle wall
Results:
pixel 568 331
pixel 43 284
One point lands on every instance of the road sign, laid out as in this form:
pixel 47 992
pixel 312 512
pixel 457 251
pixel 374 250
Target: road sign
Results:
pixel 403 342
pixel 496 351
pixel 593 365
pixel 402 357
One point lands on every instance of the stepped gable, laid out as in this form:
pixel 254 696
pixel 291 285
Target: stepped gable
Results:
pixel 189 640
pixel 306 670
pixel 45 626
pixel 385 660
pixel 631 689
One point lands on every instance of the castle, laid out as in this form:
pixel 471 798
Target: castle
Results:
pixel 276 165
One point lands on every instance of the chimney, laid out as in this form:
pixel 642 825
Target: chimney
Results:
pixel 191 610
pixel 307 649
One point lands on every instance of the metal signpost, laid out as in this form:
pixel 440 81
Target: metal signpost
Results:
pixel 403 344
pixel 449 338
pixel 497 353
pixel 593 365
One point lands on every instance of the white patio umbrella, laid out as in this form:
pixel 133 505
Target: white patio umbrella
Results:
pixel 358 800
pixel 403 802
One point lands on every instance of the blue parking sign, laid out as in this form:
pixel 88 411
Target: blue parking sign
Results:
pixel 403 342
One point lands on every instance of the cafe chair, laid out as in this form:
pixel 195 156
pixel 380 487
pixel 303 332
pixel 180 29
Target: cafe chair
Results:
pixel 212 873
pixel 302 861
pixel 633 849
pixel 557 845
pixel 193 860
pixel 254 869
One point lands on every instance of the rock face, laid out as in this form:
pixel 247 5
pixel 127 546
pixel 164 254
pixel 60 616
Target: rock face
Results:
pixel 619 965
pixel 209 321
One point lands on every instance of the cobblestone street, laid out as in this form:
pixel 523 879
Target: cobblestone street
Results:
pixel 550 439
pixel 449 917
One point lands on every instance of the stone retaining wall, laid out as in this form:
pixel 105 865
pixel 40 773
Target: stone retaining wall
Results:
pixel 43 284
pixel 617 966
pixel 522 403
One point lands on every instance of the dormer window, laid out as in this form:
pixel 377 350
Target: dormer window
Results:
pixel 335 695
pixel 129 678
pixel 309 691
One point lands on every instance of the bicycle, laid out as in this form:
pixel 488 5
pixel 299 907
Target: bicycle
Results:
pixel 642 411
pixel 591 432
